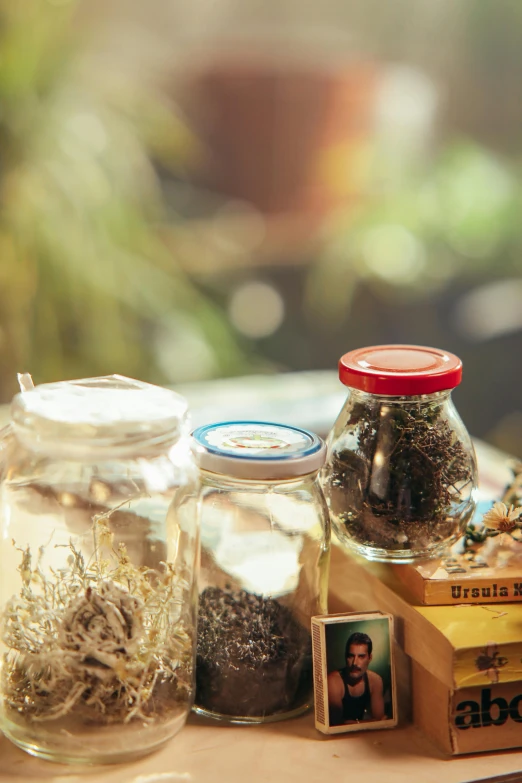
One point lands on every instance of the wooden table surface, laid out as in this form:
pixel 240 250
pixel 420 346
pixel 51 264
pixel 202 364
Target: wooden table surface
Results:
pixel 287 752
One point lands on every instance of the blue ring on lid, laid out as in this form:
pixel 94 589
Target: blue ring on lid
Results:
pixel 258 449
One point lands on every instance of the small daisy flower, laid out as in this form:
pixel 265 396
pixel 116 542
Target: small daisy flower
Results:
pixel 502 518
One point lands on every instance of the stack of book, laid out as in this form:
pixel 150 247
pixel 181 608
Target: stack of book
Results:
pixel 466 658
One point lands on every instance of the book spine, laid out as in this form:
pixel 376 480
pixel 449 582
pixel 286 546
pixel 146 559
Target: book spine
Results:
pixel 462 586
pixel 468 591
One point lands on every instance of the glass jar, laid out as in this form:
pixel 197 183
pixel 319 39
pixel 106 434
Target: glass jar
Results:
pixel 98 552
pixel 400 476
pixel 265 540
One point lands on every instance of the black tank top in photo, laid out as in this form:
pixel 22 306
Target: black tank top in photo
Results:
pixel 354 707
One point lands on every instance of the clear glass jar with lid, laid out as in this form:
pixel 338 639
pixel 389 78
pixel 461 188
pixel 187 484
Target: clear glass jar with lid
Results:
pixel 400 476
pixel 265 540
pixel 97 581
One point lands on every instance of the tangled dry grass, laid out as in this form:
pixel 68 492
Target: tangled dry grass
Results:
pixel 95 640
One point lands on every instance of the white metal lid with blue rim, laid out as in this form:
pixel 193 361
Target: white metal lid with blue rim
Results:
pixel 258 450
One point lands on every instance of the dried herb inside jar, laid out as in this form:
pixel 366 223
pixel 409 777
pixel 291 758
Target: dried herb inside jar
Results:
pixel 395 489
pixel 253 658
pixel 92 643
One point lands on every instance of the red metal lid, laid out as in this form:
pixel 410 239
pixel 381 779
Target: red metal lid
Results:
pixel 401 370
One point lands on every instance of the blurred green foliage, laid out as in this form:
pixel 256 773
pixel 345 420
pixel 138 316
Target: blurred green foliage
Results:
pixel 87 285
pixel 457 217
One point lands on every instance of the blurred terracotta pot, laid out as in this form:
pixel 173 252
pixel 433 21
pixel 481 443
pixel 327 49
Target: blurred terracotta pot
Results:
pixel 283 136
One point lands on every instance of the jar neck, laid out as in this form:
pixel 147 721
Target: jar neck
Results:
pixel 110 416
pixel 231 482
pixel 385 399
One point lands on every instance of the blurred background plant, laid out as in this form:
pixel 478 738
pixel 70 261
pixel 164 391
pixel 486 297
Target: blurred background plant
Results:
pixel 195 190
pixel 87 283
pixel 456 220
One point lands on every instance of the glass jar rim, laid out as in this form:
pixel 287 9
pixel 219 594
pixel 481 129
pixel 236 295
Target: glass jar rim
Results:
pixel 258 450
pixel 108 412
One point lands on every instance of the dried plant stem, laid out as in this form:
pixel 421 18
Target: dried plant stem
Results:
pixel 96 640
pixel 425 470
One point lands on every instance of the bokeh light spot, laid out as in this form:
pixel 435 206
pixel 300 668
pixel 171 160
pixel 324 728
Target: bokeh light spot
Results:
pixel 238 227
pixel 393 253
pixel 256 309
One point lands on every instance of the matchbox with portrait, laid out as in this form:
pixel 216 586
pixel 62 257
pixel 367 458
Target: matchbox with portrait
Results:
pixel 354 681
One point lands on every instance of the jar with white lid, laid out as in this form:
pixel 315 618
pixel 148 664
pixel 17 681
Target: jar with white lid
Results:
pixel 400 477
pixel 97 577
pixel 265 539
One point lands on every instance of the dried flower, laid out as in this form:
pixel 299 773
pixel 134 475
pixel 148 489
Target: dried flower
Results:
pixel 97 641
pixel 502 518
pixel 108 622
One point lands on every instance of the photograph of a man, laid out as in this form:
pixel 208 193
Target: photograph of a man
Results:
pixel 355 692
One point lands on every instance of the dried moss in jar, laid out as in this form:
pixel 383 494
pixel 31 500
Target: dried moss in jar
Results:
pixel 253 657
pixel 400 475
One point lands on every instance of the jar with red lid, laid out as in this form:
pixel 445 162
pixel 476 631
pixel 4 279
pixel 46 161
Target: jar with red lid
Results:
pixel 400 476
